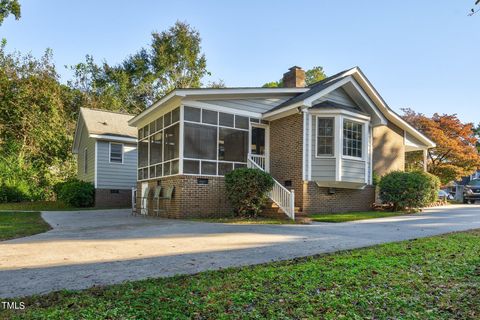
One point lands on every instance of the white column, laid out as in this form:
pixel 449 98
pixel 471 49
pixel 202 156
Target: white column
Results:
pixel 425 160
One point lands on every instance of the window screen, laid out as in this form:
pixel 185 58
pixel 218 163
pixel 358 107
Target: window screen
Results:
pixel 156 148
pixel 200 141
pixel 232 145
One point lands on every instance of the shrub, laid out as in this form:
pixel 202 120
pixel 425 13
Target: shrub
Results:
pixel 75 193
pixel 247 190
pixel 14 193
pixel 409 190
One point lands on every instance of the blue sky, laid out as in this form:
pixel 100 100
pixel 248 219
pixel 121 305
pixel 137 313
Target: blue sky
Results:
pixel 418 54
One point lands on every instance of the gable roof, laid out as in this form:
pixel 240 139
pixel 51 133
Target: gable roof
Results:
pixel 101 123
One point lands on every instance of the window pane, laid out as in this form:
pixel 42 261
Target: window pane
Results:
pixel 156 148
pixel 146 131
pixel 209 168
pixel 209 116
pixel 255 120
pixel 241 122
pixel 171 137
pixel 153 127
pixel 224 168
pixel 192 114
pixel 200 141
pixel 352 139
pixel 145 173
pixel 167 119
pixel 226 119
pixel 175 115
pixel 140 174
pixel 116 152
pixel 143 153
pixel 325 137
pixel 232 145
pixel 191 166
pixel 140 133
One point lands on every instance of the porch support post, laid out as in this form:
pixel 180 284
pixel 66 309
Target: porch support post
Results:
pixel 425 160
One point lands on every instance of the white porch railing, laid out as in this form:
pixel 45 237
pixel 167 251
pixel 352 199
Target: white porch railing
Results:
pixel 284 198
pixel 260 161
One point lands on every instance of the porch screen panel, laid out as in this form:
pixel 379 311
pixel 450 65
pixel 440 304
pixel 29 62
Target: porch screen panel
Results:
pixel 143 153
pixel 200 141
pixel 156 148
pixel 232 145
pixel 171 138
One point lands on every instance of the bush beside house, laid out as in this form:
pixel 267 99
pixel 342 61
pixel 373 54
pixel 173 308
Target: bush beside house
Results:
pixel 409 190
pixel 76 193
pixel 247 190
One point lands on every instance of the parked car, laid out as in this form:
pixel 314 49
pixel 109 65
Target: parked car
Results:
pixel 444 195
pixel 471 192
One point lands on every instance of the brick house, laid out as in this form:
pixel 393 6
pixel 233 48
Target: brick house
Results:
pixel 321 143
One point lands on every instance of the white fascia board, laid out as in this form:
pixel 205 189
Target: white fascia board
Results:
pixel 132 122
pixel 205 92
pixel 389 114
pixel 213 107
pixel 113 138
pixel 334 112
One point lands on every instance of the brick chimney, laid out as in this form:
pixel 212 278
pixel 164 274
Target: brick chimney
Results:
pixel 294 78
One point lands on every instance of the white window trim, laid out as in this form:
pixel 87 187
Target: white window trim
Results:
pixel 110 152
pixel 325 156
pixel 365 136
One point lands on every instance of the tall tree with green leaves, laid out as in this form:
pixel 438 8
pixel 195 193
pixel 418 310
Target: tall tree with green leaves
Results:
pixel 311 76
pixel 36 124
pixel 8 7
pixel 173 60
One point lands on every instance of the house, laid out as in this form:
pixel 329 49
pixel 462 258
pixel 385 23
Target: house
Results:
pixel 320 143
pixel 106 149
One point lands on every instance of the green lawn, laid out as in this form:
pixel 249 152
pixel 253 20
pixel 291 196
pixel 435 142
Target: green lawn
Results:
pixel 21 224
pixel 430 278
pixel 36 206
pixel 259 220
pixel 352 216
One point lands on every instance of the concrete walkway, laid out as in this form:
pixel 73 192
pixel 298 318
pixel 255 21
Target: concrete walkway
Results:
pixel 90 248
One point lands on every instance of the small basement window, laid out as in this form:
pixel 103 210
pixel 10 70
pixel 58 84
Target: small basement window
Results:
pixel 114 191
pixel 116 152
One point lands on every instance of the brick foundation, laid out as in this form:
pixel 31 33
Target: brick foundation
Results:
pixel 190 199
pixel 320 200
pixel 104 198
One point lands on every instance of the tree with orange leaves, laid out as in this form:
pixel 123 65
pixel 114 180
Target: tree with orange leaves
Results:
pixel 455 155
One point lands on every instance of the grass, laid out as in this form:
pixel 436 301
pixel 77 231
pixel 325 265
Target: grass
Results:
pixel 352 216
pixel 36 206
pixel 258 220
pixel 21 224
pixel 429 278
pixel 43 206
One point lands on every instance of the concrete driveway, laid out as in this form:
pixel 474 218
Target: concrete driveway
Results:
pixel 88 248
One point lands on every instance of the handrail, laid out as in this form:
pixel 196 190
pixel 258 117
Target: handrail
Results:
pixel 283 197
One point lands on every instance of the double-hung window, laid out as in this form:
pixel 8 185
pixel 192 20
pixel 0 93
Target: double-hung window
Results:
pixel 325 138
pixel 352 139
pixel 116 152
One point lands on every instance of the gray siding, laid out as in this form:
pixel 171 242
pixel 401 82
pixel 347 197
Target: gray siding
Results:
pixel 116 175
pixel 89 144
pixel 339 96
pixel 323 169
pixel 353 170
pixel 253 105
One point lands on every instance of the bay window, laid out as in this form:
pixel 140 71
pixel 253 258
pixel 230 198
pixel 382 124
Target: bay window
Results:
pixel 325 136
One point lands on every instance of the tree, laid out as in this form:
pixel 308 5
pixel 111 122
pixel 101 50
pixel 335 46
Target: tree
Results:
pixel 36 124
pixel 455 155
pixel 311 76
pixel 8 7
pixel 173 60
